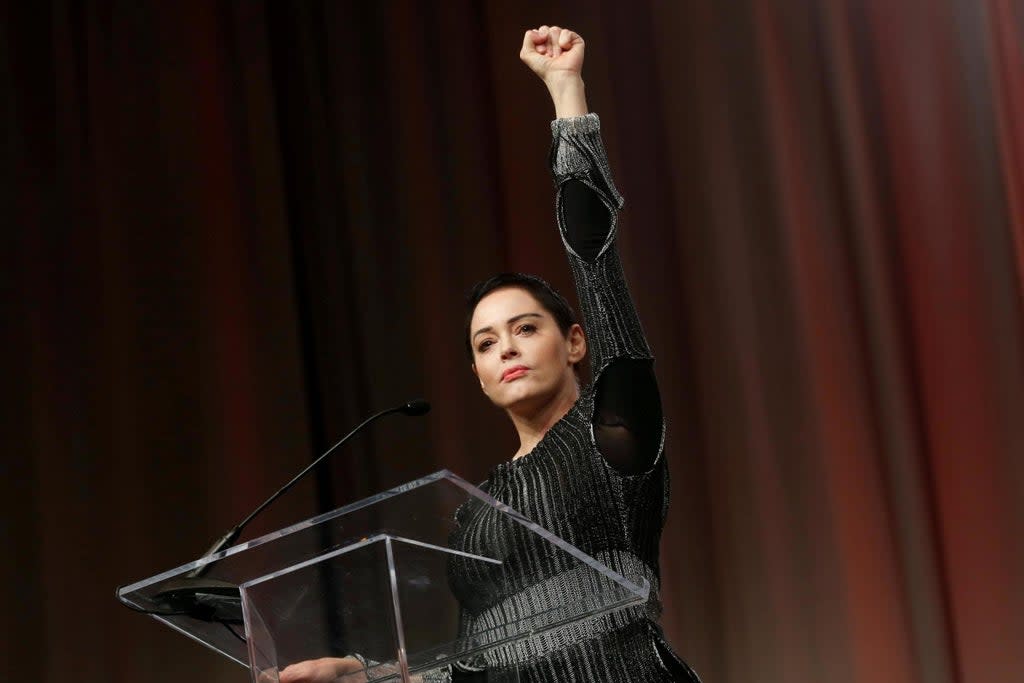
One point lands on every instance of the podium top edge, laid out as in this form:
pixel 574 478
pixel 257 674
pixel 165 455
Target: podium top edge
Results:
pixel 300 526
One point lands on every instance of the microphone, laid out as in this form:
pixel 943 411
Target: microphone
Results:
pixel 219 601
pixel 416 407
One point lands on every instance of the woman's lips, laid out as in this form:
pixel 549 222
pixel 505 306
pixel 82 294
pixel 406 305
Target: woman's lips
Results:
pixel 514 373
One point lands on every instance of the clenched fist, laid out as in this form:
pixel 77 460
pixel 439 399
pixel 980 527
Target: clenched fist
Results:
pixel 555 54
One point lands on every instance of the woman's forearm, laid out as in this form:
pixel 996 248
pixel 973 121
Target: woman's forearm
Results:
pixel 568 95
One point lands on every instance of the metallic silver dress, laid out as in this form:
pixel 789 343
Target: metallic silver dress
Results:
pixel 612 507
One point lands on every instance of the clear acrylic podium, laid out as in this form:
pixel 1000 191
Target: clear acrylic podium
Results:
pixel 372 578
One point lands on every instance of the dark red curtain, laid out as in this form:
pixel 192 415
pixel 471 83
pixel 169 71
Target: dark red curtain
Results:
pixel 233 229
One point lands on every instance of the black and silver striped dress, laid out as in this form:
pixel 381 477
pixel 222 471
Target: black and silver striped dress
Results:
pixel 597 479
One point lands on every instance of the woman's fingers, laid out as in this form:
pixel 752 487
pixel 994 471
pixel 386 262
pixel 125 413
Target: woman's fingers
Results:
pixel 323 670
pixel 528 43
pixel 544 45
pixel 535 41
pixel 540 40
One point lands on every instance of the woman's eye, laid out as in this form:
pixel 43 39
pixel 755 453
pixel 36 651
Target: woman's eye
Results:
pixel 484 345
pixel 527 329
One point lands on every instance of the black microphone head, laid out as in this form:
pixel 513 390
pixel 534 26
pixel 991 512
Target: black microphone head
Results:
pixel 417 406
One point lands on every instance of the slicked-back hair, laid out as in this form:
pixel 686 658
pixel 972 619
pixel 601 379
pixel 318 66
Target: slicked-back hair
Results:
pixel 550 300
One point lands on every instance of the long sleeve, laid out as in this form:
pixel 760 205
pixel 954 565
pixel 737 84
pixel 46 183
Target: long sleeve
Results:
pixel 627 419
pixel 609 316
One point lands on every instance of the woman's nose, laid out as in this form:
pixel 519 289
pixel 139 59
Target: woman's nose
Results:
pixel 509 350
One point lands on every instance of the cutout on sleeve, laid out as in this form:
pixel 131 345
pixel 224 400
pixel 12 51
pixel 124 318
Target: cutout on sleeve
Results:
pixel 627 415
pixel 587 220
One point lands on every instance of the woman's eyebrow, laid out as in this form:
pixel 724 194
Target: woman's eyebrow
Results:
pixel 511 320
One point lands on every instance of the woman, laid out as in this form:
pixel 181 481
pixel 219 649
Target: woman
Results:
pixel 590 466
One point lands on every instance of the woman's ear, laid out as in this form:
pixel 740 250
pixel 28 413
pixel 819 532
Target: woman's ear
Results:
pixel 577 343
pixel 473 367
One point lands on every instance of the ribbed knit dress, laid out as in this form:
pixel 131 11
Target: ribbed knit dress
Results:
pixel 597 479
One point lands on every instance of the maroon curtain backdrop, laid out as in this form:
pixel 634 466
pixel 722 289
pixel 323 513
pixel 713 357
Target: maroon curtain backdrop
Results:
pixel 232 229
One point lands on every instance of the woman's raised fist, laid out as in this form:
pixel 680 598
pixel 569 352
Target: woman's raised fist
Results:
pixel 553 52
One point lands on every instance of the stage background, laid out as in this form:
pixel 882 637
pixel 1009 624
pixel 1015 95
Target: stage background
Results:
pixel 231 230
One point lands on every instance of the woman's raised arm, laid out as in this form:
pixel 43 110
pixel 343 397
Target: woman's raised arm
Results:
pixel 627 419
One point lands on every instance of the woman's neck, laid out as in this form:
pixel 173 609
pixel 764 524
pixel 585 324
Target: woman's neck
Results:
pixel 533 425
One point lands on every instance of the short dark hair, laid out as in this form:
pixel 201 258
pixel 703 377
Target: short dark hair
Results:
pixel 549 299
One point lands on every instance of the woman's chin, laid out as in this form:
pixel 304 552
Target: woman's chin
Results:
pixel 527 399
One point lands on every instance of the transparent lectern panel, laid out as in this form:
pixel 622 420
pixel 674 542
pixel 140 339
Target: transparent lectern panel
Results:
pixel 335 606
pixel 416 578
pixel 263 659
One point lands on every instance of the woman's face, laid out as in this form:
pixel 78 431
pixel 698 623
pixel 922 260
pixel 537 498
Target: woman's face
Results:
pixel 520 356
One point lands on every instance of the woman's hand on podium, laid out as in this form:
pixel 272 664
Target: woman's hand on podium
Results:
pixel 328 670
pixel 324 670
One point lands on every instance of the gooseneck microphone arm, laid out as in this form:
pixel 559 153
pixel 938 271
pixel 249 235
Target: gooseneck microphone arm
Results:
pixel 415 407
pixel 219 601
